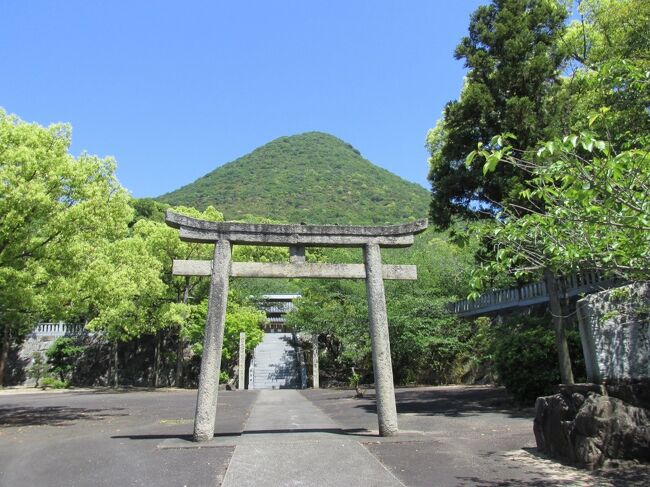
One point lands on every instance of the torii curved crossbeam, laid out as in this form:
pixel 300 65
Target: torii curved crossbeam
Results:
pixel 195 230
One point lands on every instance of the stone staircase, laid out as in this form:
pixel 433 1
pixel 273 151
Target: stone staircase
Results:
pixel 275 364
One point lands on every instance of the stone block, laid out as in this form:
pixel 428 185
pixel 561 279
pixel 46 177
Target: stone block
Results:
pixel 615 333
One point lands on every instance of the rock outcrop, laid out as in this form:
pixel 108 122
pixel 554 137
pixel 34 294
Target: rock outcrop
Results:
pixel 584 425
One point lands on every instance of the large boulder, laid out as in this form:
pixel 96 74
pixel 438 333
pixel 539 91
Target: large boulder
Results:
pixel 591 428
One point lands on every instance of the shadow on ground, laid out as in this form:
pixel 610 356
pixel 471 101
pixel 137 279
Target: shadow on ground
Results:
pixel 535 482
pixel 52 415
pixel 629 475
pixel 452 402
pixel 332 431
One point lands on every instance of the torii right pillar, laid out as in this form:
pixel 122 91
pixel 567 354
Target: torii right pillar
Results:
pixel 380 340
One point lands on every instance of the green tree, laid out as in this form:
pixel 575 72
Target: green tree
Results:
pixel 595 211
pixel 182 305
pixel 610 51
pixel 241 316
pixel 173 311
pixel 38 369
pixel 514 62
pixel 52 205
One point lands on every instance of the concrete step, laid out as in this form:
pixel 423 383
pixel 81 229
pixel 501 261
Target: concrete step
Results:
pixel 275 363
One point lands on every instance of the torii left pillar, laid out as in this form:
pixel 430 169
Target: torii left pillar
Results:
pixel 206 403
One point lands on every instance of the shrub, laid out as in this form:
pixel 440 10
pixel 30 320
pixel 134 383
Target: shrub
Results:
pixel 63 355
pixel 54 383
pixel 526 361
pixel 38 369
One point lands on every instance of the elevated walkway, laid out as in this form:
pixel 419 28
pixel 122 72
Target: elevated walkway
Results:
pixel 275 364
pixel 572 286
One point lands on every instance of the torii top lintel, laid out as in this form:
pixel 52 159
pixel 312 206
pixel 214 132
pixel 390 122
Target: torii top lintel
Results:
pixel 195 230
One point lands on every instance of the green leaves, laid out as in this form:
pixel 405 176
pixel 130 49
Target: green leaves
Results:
pixel 497 151
pixel 592 211
pixel 311 177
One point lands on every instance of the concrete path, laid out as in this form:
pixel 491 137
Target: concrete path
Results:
pixel 289 441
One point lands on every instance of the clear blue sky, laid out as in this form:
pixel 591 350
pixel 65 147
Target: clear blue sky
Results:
pixel 174 89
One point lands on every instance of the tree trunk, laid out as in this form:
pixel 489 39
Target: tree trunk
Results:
pixel 115 366
pixel 561 344
pixel 180 349
pixel 156 361
pixel 4 353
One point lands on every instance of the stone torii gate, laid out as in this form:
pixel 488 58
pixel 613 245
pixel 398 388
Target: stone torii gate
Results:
pixel 225 234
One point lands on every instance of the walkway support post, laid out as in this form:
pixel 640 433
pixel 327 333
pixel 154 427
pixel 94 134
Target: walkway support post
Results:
pixel 241 372
pixel 206 403
pixel 379 337
pixel 564 360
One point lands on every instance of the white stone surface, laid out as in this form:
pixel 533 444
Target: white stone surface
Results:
pixel 615 333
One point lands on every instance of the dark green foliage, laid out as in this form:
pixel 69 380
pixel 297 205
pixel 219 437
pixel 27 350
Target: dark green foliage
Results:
pixel 63 355
pixel 38 369
pixel 513 62
pixel 148 209
pixel 313 178
pixel 428 343
pixel 526 362
pixel 525 358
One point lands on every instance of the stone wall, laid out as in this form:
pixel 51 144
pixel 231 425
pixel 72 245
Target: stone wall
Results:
pixel 615 333
pixel 23 357
pixel 38 341
pixel 93 367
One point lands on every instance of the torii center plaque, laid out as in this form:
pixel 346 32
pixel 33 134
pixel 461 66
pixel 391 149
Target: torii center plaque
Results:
pixel 226 234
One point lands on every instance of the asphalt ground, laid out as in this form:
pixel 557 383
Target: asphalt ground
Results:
pixel 110 439
pixel 450 436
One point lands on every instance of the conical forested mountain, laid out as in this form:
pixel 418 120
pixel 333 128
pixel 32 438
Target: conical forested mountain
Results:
pixel 312 178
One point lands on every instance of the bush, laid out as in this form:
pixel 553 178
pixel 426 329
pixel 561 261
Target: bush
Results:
pixel 63 355
pixel 526 361
pixel 38 369
pixel 53 383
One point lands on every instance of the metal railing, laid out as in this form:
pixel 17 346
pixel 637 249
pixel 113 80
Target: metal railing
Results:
pixel 533 293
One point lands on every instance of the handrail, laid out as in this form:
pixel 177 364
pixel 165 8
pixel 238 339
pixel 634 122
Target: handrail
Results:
pixel 533 293
pixel 58 329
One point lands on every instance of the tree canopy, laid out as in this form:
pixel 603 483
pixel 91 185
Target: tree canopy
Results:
pixel 586 188
pixel 514 61
pixel 53 208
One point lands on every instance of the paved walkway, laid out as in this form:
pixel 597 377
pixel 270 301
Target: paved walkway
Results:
pixel 289 441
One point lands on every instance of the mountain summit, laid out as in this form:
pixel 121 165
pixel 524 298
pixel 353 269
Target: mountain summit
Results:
pixel 313 178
